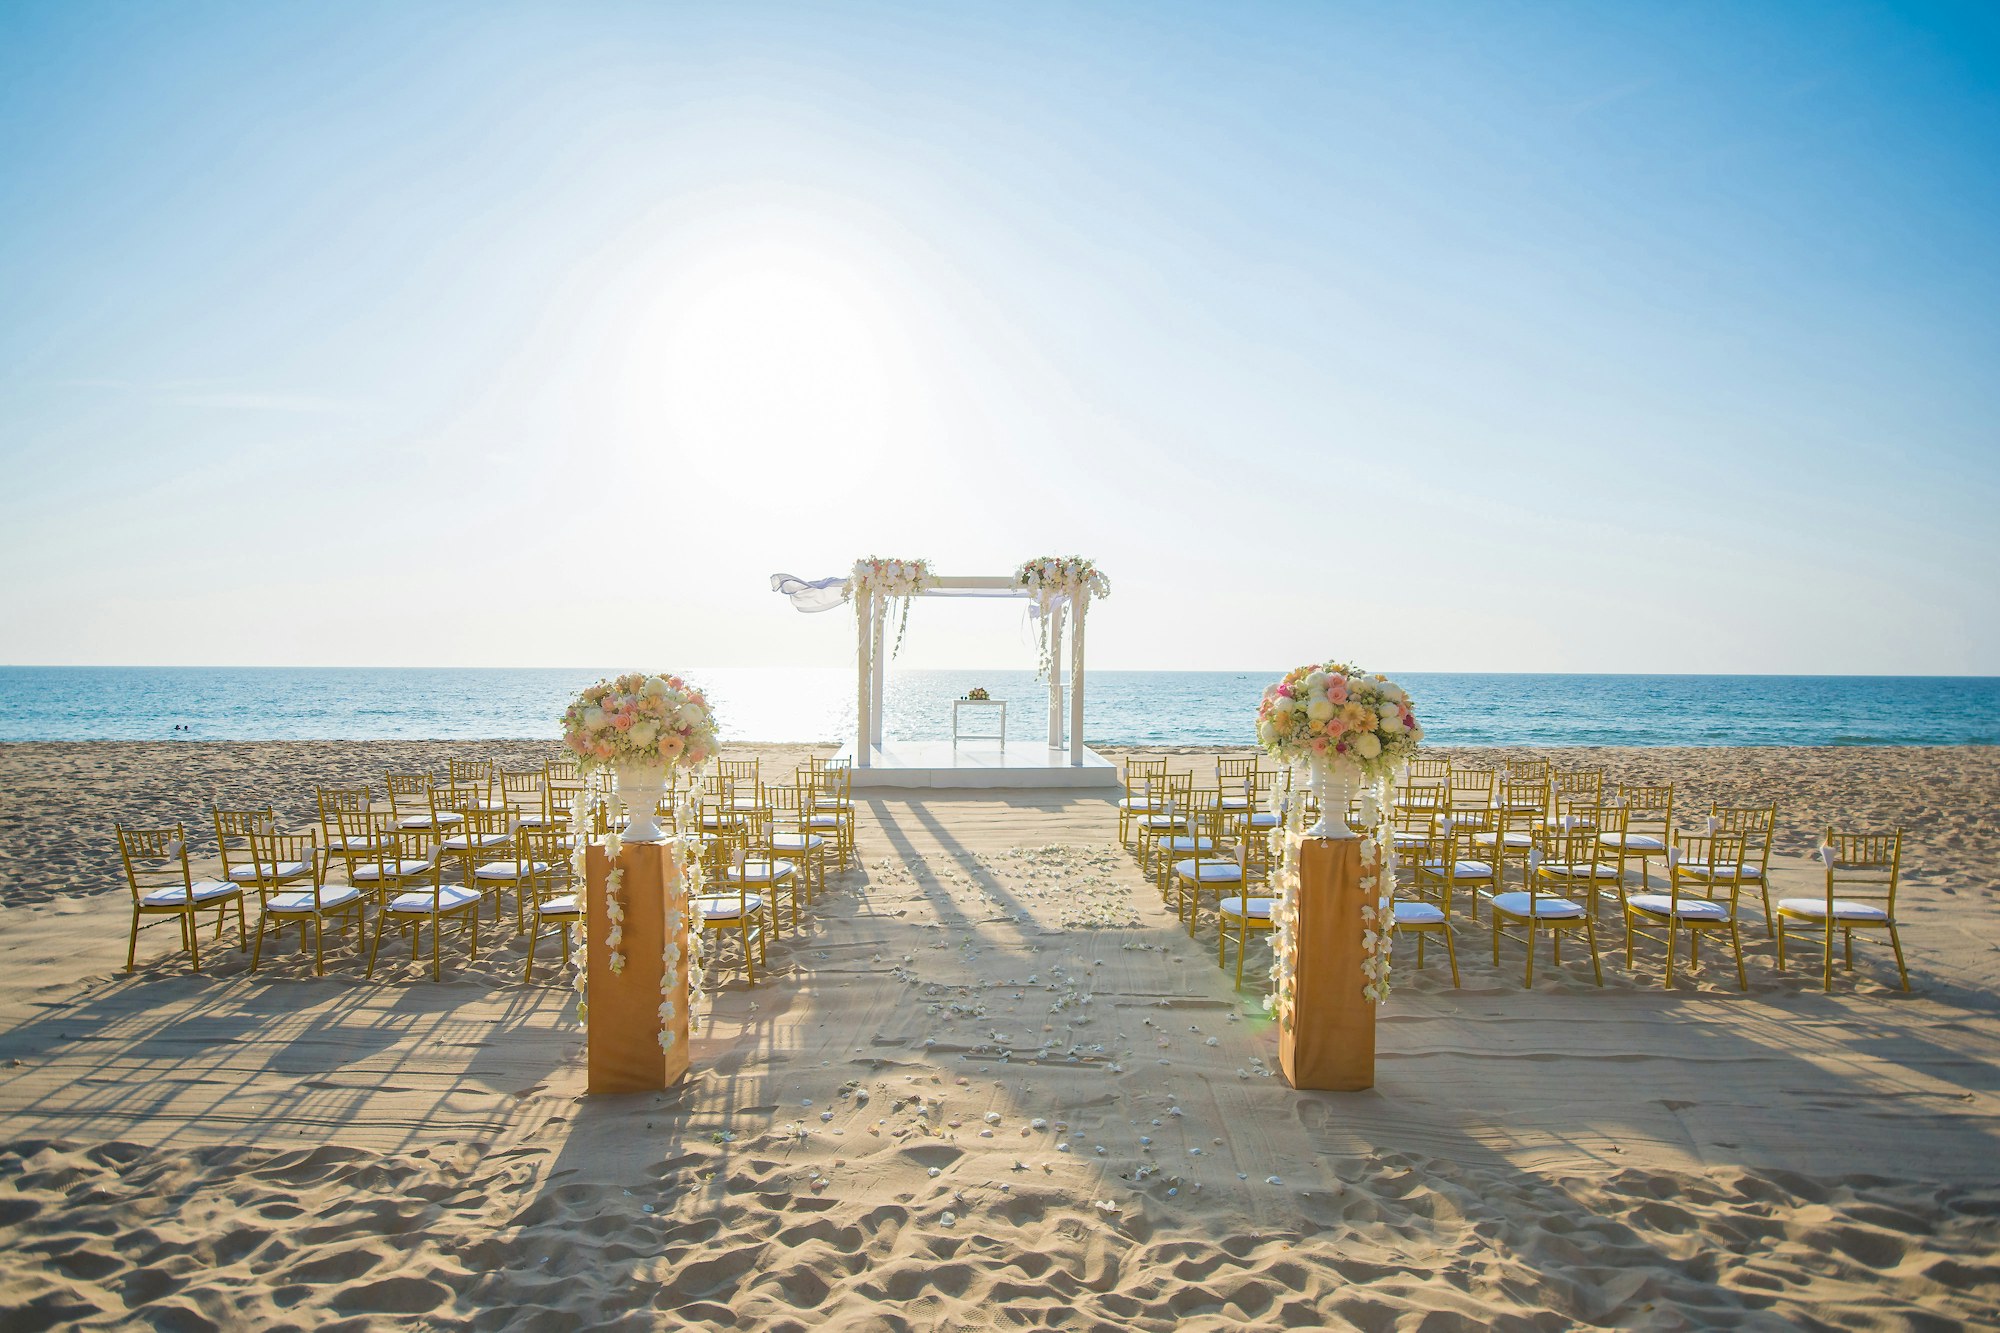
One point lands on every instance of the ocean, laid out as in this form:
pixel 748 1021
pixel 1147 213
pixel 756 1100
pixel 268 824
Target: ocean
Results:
pixel 1122 707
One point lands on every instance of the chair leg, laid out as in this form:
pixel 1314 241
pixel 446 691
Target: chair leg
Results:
pixel 242 929
pixel 192 928
pixel 1764 888
pixel 1736 942
pixel 437 951
pixel 1529 980
pixel 474 914
pixel 532 937
pixel 1596 963
pixel 1847 946
pixel 1673 938
pixel 1779 934
pixel 132 948
pixel 1451 953
pixel 1826 969
pixel 376 947
pixel 257 951
pixel 1896 943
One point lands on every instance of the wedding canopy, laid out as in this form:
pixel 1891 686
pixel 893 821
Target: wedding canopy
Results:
pixel 1060 590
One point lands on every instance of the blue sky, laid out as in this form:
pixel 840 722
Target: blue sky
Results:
pixel 1444 337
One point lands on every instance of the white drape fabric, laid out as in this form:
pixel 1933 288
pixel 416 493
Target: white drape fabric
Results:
pixel 817 595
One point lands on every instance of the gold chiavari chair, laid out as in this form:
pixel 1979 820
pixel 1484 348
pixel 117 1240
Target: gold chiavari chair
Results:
pixel 1862 874
pixel 761 869
pixel 1200 836
pixel 1575 790
pixel 1603 868
pixel 551 889
pixel 732 908
pixel 1757 824
pixel 832 782
pixel 1425 771
pixel 163 884
pixel 1236 787
pixel 524 791
pixel 1649 823
pixel 410 802
pixel 334 802
pixel 485 838
pixel 1173 801
pixel 792 836
pixel 413 894
pixel 1242 913
pixel 1704 883
pixel 746 771
pixel 1415 816
pixel 1137 802
pixel 1216 869
pixel 511 863
pixel 1540 907
pixel 562 769
pixel 1449 861
pixel 233 831
pixel 1471 788
pixel 1529 770
pixel 282 901
pixel 481 773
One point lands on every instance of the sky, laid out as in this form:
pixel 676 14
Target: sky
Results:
pixel 1435 337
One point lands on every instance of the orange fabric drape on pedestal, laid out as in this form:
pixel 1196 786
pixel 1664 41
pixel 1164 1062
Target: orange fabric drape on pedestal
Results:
pixel 1331 1041
pixel 623 1034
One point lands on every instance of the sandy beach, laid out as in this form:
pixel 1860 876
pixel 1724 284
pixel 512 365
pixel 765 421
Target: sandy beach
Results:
pixel 991 1084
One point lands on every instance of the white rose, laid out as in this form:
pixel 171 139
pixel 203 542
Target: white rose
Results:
pixel 593 718
pixel 1284 705
pixel 1316 681
pixel 1319 710
pixel 1416 733
pixel 1392 692
pixel 1367 746
pixel 1390 713
pixel 1266 733
pixel 645 733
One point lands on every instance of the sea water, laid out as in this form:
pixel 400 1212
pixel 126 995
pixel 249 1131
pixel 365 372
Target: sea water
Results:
pixel 1122 707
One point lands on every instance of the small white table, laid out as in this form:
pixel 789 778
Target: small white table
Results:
pixel 958 704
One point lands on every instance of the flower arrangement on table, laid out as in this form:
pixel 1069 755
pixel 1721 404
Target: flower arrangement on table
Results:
pixel 897 580
pixel 1342 722
pixel 1053 580
pixel 978 695
pixel 642 726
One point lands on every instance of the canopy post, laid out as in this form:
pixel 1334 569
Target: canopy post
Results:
pixel 1076 688
pixel 1055 633
pixel 864 616
pixel 882 605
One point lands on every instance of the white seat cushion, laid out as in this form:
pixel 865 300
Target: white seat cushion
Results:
pixel 1183 843
pixel 825 821
pixel 510 871
pixel 285 870
pixel 1634 842
pixel 1596 870
pixel 726 909
pixel 371 873
pixel 1691 909
pixel 564 905
pixel 1843 909
pixel 797 842
pixel 1461 869
pixel 1163 821
pixel 1263 819
pixel 205 890
pixel 1209 872
pixel 1419 914
pixel 450 897
pixel 1522 840
pixel 758 872
pixel 1138 803
pixel 1546 907
pixel 1406 839
pixel 475 842
pixel 1260 908
pixel 299 902
pixel 415 822
pixel 354 846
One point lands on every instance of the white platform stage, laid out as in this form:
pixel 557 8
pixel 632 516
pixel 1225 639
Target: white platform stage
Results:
pixel 983 764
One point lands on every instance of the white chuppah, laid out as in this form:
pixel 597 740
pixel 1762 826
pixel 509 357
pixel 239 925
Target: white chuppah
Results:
pixel 1062 601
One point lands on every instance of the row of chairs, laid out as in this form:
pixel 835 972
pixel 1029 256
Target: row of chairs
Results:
pixel 440 846
pixel 1458 831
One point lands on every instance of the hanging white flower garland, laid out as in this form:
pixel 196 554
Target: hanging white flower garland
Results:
pixel 1053 580
pixel 1378 890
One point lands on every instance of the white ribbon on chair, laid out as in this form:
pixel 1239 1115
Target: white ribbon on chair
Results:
pixel 1826 854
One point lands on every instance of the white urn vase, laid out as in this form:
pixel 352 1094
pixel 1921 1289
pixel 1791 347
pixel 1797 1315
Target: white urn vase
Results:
pixel 1333 784
pixel 640 787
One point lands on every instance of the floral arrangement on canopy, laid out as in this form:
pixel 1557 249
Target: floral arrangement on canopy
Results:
pixel 1344 724
pixel 1053 580
pixel 641 726
pixel 897 580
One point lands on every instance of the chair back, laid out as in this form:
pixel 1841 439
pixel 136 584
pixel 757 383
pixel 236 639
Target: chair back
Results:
pixel 544 861
pixel 233 830
pixel 478 772
pixel 1756 823
pixel 1427 771
pixel 409 794
pixel 832 784
pixel 1648 809
pixel 1566 855
pixel 1470 788
pixel 738 770
pixel 1863 867
pixel 271 850
pixel 1532 770
pixel 1230 772
pixel 1577 786
pixel 335 802
pixel 521 790
pixel 1525 796
pixel 155 858
pixel 361 837
pixel 1706 865
pixel 562 768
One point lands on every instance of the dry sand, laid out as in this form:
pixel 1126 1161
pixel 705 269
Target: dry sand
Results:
pixel 283 1151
